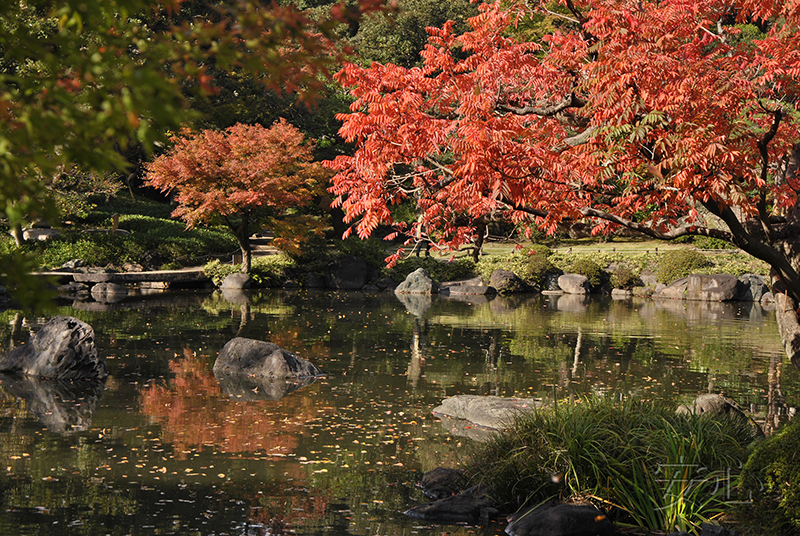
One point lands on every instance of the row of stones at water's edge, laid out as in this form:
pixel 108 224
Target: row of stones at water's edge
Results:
pixel 719 287
pixel 352 273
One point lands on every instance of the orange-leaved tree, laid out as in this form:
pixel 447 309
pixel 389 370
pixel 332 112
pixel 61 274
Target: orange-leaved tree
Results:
pixel 669 117
pixel 238 175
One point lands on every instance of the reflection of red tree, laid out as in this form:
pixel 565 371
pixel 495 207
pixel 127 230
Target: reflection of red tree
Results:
pixel 194 412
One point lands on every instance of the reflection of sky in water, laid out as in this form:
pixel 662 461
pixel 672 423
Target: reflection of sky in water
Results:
pixel 169 450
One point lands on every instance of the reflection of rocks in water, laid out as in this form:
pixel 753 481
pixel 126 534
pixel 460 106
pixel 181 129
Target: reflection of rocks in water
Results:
pixel 507 304
pixel 247 388
pixel 703 310
pixel 465 428
pixel 62 406
pixel 416 304
pixel 570 303
pixel 474 299
pixel 170 299
pixel 235 296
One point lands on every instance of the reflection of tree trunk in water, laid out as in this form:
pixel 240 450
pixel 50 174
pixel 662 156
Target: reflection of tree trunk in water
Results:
pixel 16 331
pixel 418 343
pixel 492 358
pixel 577 354
pixel 775 400
pixel 245 310
pixel 566 374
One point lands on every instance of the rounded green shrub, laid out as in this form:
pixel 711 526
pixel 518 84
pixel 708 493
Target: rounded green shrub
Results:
pixel 438 270
pixel 591 270
pixel 531 264
pixel 624 278
pixel 680 263
pixel 266 271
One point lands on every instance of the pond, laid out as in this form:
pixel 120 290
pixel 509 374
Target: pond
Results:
pixel 161 449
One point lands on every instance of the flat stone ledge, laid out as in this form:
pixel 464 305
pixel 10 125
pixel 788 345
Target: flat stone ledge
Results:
pixel 167 276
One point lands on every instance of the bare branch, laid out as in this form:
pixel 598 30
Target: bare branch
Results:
pixel 560 15
pixel 570 101
pixel 580 139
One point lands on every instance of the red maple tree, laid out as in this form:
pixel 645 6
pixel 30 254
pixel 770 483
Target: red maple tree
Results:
pixel 236 173
pixel 669 117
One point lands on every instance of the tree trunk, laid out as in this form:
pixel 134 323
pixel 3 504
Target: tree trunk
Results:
pixel 242 233
pixel 16 232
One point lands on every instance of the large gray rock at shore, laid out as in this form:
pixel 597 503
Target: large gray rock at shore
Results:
pixel 712 404
pixel 574 284
pixel 467 287
pixel 718 287
pixel 237 281
pixel 488 411
pixel 560 520
pixel 470 506
pixel 752 288
pixel 261 359
pixel 63 349
pixel 109 292
pixel 473 282
pixel 417 282
pixel 347 272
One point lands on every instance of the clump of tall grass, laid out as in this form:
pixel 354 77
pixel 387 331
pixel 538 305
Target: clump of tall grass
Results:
pixel 641 461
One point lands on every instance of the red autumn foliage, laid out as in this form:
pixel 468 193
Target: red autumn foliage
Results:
pixel 234 173
pixel 653 115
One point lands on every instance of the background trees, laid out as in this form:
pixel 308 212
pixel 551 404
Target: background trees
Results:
pixel 81 81
pixel 235 174
pixel 671 118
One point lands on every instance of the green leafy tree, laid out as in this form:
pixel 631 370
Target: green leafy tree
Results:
pixel 82 79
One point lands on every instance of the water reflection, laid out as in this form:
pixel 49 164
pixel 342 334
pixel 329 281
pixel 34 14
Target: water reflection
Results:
pixel 170 448
pixel 62 406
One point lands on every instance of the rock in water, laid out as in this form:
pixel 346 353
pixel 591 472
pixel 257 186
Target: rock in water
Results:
pixel 417 282
pixel 63 349
pixel 442 482
pixel 574 284
pixel 262 360
pixel 560 520
pixel 470 506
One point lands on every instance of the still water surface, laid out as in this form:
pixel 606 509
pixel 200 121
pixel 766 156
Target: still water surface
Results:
pixel 162 449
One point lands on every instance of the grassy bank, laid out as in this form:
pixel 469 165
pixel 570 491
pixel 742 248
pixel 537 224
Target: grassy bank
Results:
pixel 645 465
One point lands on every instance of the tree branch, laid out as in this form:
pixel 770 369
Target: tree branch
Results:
pixel 757 248
pixel 682 230
pixel 763 148
pixel 570 101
